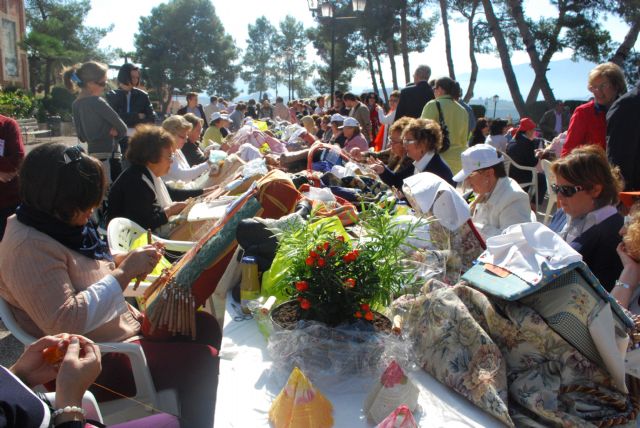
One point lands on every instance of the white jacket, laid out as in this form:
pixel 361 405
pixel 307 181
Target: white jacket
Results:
pixel 507 205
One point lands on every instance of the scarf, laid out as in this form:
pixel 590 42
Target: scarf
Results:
pixel 82 239
pixel 160 189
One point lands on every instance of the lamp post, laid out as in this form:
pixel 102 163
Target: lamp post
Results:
pixel 495 99
pixel 325 11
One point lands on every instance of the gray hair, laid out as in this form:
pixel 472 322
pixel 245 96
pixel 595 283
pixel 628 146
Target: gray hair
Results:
pixel 423 72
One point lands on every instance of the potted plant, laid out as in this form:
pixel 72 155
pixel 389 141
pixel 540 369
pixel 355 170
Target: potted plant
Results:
pixel 335 279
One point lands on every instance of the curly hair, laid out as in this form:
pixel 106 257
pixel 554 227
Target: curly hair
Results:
pixel 631 237
pixel 146 144
pixel 426 132
pixel 588 166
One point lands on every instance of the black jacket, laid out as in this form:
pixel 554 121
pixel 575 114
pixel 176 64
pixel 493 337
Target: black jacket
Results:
pixel 623 137
pixel 131 197
pixel 139 103
pixel 193 154
pixel 205 125
pixel 413 98
pixel 435 166
pixel 523 152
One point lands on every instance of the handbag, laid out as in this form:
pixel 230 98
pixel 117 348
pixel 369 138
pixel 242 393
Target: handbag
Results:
pixel 446 142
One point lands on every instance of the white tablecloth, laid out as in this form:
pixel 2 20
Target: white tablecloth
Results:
pixel 247 387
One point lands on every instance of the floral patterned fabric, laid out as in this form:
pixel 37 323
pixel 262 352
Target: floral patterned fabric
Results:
pixel 504 358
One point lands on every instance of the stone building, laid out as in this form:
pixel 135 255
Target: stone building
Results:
pixel 14 69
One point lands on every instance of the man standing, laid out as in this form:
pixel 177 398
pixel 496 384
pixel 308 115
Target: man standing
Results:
pixel 455 118
pixel 320 110
pixel 414 97
pixel 359 112
pixel 11 156
pixel 555 121
pixel 195 108
pixel 623 137
pixel 280 111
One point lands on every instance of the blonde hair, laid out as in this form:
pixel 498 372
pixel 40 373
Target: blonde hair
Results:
pixel 77 76
pixel 426 132
pixel 400 124
pixel 175 124
pixel 309 124
pixel 612 72
pixel 631 238
pixel 193 119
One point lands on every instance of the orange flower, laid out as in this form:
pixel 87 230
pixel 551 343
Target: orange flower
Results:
pixel 365 307
pixel 325 246
pixel 340 238
pixel 309 261
pixel 302 286
pixel 358 314
pixel 313 254
pixel 350 282
pixel 321 263
pixel 368 316
pixel 305 304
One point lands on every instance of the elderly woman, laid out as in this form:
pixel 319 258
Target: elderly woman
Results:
pixel 191 149
pixel 337 137
pixel 97 124
pixel 354 139
pixel 499 201
pixel 587 188
pixel 139 194
pixel 588 124
pixel 524 150
pixel 58 276
pixel 422 139
pixel 180 169
pixel 217 132
pixel 399 165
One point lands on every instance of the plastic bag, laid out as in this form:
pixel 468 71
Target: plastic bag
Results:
pixel 255 167
pixel 399 418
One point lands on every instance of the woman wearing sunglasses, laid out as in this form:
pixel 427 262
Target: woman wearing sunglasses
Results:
pixel 587 188
pixel 97 124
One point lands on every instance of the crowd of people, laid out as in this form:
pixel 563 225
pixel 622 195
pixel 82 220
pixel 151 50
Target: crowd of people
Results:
pixel 59 277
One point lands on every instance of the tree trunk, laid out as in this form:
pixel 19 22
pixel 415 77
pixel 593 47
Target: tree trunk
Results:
pixel 371 70
pixel 48 68
pixel 376 55
pixel 540 70
pixel 447 37
pixel 392 60
pixel 472 54
pixel 627 44
pixel 503 50
pixel 404 46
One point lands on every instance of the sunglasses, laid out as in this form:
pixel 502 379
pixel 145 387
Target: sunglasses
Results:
pixel 72 155
pixel 566 190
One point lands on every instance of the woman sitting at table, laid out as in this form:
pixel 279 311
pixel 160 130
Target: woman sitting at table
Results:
pixel 499 201
pixel 58 276
pixel 139 194
pixel 398 165
pixel 180 170
pixel 354 139
pixel 587 188
pixel 524 150
pixel 191 149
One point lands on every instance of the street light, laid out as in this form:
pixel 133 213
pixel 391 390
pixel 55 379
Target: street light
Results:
pixel 325 12
pixel 495 99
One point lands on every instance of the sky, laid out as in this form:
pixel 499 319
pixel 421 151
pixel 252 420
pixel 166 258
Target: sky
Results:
pixel 124 15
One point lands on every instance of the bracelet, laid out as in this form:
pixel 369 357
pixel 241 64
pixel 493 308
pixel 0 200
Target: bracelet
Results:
pixel 69 409
pixel 619 283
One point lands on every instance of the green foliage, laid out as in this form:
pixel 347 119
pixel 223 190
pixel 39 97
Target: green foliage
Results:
pixel 335 280
pixel 290 46
pixel 59 103
pixel 16 104
pixel 183 45
pixel 259 55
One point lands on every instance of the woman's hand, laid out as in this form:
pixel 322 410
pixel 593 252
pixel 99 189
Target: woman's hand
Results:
pixel 138 263
pixel 627 262
pixel 376 165
pixel 175 208
pixel 31 367
pixel 79 369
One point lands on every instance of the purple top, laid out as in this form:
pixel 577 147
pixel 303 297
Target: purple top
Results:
pixel 356 141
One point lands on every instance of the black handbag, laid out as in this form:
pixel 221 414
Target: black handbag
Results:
pixel 446 142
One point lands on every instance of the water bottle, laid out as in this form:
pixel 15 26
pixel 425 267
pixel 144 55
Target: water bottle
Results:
pixel 250 284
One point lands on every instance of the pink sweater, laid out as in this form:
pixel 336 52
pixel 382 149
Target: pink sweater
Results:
pixel 41 279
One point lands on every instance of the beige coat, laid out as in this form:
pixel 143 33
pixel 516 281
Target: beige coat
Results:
pixel 41 278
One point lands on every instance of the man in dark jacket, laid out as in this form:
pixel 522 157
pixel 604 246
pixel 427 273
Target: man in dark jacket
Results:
pixel 414 97
pixel 195 108
pixel 623 137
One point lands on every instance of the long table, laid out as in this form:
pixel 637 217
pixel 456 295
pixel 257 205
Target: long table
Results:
pixel 247 388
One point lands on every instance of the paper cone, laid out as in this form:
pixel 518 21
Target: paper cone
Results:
pixel 392 390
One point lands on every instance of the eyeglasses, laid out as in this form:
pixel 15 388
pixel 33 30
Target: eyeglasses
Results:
pixel 566 190
pixel 408 142
pixel 392 141
pixel 102 83
pixel 72 154
pixel 598 88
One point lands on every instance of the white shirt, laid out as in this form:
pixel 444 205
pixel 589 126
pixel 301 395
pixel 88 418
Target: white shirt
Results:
pixel 181 171
pixel 421 164
pixel 387 120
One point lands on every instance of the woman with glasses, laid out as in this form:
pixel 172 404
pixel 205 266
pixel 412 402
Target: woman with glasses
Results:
pixel 587 188
pixel 397 164
pixel 180 170
pixel 97 124
pixel 499 200
pixel 58 276
pixel 139 194
pixel 588 124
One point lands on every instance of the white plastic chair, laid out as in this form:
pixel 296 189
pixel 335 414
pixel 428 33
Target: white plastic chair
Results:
pixel 552 197
pixel 121 232
pixel 120 410
pixel 533 184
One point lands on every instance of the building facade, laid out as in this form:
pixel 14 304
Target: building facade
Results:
pixel 14 69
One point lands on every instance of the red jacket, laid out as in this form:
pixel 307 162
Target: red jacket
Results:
pixel 11 155
pixel 587 126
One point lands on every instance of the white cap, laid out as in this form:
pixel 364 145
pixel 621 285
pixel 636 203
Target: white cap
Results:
pixel 350 121
pixel 337 118
pixel 217 115
pixel 477 157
